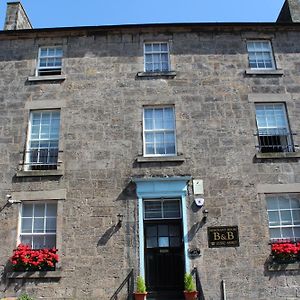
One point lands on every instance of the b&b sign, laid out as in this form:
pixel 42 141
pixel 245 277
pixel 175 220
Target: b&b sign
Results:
pixel 223 236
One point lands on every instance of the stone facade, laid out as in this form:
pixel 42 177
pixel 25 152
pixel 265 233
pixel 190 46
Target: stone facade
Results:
pixel 101 102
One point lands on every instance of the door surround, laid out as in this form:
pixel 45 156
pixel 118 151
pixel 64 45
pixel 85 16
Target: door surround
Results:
pixel 161 187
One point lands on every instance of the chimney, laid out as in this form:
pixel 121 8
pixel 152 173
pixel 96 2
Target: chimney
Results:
pixel 290 12
pixel 16 17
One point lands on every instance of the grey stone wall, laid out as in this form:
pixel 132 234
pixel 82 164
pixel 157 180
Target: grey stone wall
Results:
pixel 101 138
pixel 16 17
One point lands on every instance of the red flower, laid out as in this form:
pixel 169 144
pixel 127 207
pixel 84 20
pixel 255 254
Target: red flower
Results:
pixel 26 259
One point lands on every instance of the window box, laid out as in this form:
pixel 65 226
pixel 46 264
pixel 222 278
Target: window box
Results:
pixel 285 255
pixel 273 266
pixel 27 259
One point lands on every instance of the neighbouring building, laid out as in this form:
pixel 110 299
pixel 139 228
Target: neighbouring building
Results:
pixel 157 148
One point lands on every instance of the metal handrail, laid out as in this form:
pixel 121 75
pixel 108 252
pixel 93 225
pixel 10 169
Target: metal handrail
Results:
pixel 195 273
pixel 130 287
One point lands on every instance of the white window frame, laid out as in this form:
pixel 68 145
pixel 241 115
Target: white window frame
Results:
pixel 162 200
pixel 36 233
pixel 157 52
pixel 286 197
pixel 48 68
pixel 290 146
pixel 28 164
pixel 158 130
pixel 271 52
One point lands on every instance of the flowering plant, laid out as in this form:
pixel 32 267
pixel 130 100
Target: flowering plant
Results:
pixel 285 251
pixel 26 259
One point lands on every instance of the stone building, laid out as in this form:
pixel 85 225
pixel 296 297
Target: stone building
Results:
pixel 162 149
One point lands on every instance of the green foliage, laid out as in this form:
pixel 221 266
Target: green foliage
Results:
pixel 140 285
pixel 24 297
pixel 189 284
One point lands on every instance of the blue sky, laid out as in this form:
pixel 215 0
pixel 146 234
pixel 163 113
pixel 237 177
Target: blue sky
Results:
pixel 61 13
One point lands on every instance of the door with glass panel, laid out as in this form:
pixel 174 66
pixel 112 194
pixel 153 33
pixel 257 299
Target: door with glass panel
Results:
pixel 164 254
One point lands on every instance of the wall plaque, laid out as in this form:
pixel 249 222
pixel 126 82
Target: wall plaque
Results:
pixel 223 236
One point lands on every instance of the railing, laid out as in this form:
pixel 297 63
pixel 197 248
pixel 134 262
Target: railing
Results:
pixel 275 140
pixel 195 273
pixel 41 159
pixel 130 286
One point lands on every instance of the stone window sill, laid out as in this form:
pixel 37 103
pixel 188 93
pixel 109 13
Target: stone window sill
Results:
pixel 264 72
pixel 142 159
pixel 277 155
pixel 169 74
pixel 47 78
pixel 42 274
pixel 37 173
pixel 273 267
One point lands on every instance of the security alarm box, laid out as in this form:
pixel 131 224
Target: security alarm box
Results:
pixel 198 186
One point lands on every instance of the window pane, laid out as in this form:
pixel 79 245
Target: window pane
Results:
pixel 160 149
pixel 163 242
pixel 174 230
pixel 170 149
pixel 287 232
pixel 150 149
pixel 152 242
pixel 51 225
pixel 274 218
pixel 153 209
pixel 39 210
pixel 151 230
pixel 51 210
pixel 149 137
pixel 295 203
pixel 148 47
pixel 156 47
pixel 163 230
pixel 296 217
pixel 26 225
pixel 38 242
pixel 50 241
pixel 275 233
pixel 27 240
pixel 286 217
pixel 284 203
pixel 175 242
pixel 164 47
pixel 27 210
pixel 297 232
pixel 171 209
pixel 38 225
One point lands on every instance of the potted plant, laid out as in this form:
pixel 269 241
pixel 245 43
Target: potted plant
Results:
pixel 190 291
pixel 141 293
